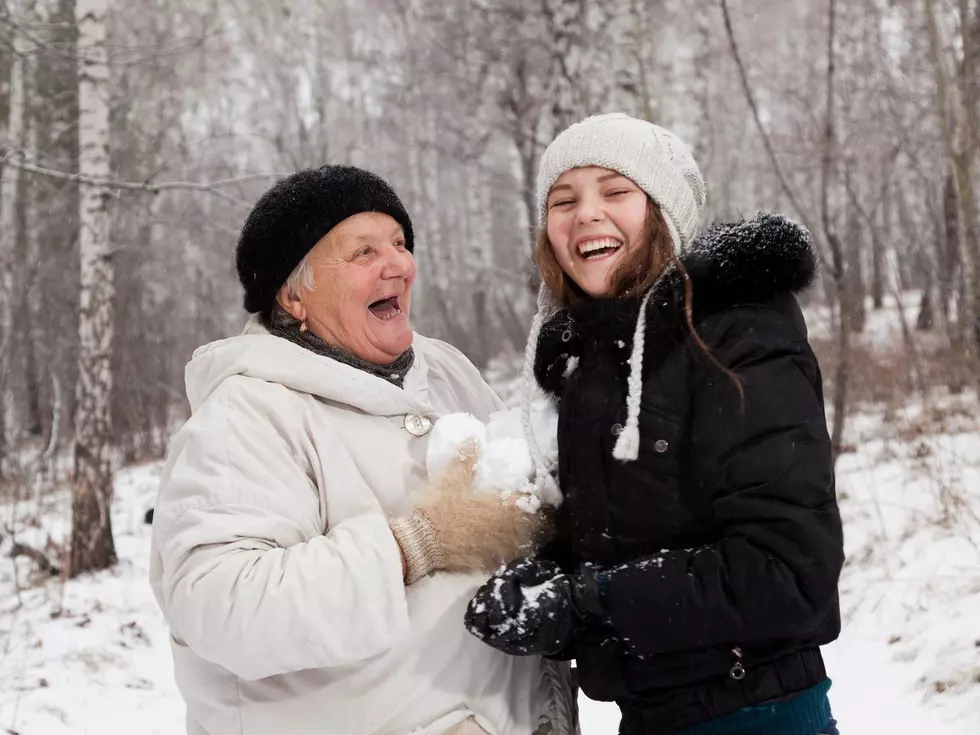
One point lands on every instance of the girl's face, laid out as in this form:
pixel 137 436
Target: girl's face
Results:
pixel 595 218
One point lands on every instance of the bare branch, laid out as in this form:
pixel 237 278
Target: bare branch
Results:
pixel 115 51
pixel 43 563
pixel 212 187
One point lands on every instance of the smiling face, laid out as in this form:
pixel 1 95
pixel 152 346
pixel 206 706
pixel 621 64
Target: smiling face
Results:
pixel 595 220
pixel 360 300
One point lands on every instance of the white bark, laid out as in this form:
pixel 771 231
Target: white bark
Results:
pixel 567 30
pixel 92 545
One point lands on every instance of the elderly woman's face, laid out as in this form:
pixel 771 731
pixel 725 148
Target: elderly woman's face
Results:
pixel 363 279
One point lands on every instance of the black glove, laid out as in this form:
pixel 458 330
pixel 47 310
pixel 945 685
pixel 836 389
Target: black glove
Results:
pixel 531 607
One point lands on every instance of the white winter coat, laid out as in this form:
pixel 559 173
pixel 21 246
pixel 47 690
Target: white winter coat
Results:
pixel 275 568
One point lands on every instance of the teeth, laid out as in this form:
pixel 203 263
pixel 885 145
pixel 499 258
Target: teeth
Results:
pixel 395 311
pixel 592 245
pixel 385 309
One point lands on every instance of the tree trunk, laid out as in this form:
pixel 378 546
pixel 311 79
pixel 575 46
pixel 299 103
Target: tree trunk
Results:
pixel 878 252
pixel 970 101
pixel 845 306
pixel 10 190
pixel 32 375
pixel 566 21
pixel 524 111
pixel 854 271
pixel 960 142
pixel 842 375
pixel 26 279
pixel 927 315
pixel 969 236
pixel 640 38
pixel 529 171
pixel 92 546
pixel 478 260
pixel 948 247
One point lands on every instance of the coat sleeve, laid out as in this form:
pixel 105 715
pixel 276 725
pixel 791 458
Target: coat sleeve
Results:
pixel 246 577
pixel 769 472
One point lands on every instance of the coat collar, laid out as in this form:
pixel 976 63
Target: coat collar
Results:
pixel 258 354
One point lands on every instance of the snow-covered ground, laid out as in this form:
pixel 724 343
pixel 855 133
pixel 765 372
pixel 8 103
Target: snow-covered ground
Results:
pixel 91 656
pixel 882 329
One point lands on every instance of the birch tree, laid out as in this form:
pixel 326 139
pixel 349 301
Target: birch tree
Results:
pixel 92 546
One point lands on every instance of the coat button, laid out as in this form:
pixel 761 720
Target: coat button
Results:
pixel 417 425
pixel 616 429
pixel 566 336
pixel 661 446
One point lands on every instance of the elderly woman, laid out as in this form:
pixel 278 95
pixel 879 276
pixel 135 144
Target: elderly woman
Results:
pixel 306 590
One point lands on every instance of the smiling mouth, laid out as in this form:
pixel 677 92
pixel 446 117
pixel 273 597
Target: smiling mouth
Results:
pixel 385 309
pixel 598 249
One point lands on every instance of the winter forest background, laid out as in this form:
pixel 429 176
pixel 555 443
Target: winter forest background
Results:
pixel 135 135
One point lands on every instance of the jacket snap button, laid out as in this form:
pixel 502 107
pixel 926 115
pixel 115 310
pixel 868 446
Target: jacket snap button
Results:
pixel 566 336
pixel 661 446
pixel 616 429
pixel 417 425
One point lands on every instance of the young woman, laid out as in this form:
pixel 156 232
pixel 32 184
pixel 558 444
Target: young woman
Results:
pixel 694 573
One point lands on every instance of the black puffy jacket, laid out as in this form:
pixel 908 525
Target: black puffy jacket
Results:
pixel 723 539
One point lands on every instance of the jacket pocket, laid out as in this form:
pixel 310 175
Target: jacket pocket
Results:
pixel 660 440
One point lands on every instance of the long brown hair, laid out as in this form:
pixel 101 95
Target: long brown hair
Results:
pixel 636 275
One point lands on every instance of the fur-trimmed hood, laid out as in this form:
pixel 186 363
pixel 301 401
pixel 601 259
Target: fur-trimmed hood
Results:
pixel 751 261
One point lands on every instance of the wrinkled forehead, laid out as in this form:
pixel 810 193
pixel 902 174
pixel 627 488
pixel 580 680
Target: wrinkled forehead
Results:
pixel 364 228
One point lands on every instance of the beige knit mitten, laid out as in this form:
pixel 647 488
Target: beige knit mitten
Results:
pixel 468 726
pixel 456 529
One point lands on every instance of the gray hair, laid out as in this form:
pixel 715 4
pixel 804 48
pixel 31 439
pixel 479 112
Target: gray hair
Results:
pixel 301 279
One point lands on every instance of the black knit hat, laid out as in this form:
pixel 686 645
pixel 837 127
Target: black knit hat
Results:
pixel 295 214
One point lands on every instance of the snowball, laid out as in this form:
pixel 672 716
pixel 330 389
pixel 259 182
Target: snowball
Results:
pixel 448 434
pixel 504 464
pixel 544 424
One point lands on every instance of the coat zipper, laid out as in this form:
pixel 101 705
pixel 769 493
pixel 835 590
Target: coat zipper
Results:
pixel 737 672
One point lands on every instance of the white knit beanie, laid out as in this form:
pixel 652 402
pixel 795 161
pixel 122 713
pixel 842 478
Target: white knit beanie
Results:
pixel 659 163
pixel 655 159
